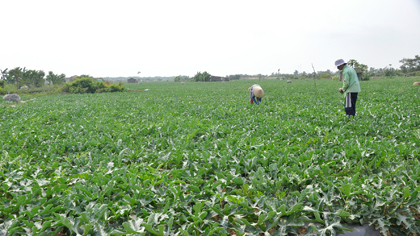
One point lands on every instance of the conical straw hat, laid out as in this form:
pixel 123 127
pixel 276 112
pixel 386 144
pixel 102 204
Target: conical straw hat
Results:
pixel 258 92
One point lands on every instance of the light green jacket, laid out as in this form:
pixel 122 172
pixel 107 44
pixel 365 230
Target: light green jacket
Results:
pixel 350 81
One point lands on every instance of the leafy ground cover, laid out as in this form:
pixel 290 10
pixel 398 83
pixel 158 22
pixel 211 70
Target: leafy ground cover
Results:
pixel 198 159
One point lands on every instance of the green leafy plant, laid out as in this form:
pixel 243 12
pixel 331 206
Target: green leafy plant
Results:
pixel 88 85
pixel 171 161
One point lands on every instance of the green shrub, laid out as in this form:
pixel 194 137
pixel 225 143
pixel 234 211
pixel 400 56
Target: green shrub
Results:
pixel 116 88
pixel 83 85
pixel 88 85
pixel 390 72
pixel 101 87
pixel 414 73
pixel 3 91
pixel 400 73
pixel 44 89
pixel 325 76
pixel 8 88
pixel 366 76
pixel 78 90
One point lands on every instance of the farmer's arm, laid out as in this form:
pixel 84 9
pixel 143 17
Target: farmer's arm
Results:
pixel 346 81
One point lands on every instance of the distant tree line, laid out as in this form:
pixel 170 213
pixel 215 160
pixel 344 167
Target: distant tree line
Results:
pixel 234 77
pixel 180 78
pixel 37 78
pixel 155 78
pixel 205 76
pixel 410 65
pixel 31 78
pixel 199 77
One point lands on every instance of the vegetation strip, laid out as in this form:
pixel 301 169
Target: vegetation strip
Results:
pixel 184 159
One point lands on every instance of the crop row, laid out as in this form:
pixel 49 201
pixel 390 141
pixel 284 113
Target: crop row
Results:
pixel 180 161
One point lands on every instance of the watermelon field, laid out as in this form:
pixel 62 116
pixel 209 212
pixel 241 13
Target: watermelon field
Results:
pixel 196 158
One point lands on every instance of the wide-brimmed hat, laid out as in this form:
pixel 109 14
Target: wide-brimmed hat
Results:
pixel 339 62
pixel 258 92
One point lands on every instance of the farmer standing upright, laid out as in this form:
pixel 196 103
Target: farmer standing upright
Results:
pixel 351 87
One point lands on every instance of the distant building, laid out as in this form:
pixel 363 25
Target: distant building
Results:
pixel 131 80
pixel 217 78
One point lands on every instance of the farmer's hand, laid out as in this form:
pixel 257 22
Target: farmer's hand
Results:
pixel 340 90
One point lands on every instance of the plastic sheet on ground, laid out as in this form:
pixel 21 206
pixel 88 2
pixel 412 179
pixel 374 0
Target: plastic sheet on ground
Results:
pixel 361 230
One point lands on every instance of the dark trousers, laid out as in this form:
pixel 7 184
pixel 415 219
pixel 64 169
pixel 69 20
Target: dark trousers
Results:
pixel 350 104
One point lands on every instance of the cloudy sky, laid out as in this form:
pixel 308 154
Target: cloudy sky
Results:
pixel 169 38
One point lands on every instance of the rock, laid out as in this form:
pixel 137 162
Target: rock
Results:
pixel 416 83
pixel 12 97
pixel 289 81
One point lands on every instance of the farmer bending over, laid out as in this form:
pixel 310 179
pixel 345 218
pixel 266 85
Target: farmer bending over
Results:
pixel 255 94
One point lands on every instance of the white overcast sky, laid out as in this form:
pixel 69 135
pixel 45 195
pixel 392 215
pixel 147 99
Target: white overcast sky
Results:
pixel 169 38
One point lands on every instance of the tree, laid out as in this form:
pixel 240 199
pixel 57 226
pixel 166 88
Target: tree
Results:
pixel 202 76
pixel 410 65
pixel 177 79
pixel 205 76
pixel 234 77
pixel 50 77
pixel 358 67
pixel 4 74
pixel 197 77
pixel 20 76
pixel 85 76
pixel 39 80
pixel 60 79
pixel 28 77
pixel 15 76
pixel 390 71
pixel 55 78
pixel 33 78
pixel 361 69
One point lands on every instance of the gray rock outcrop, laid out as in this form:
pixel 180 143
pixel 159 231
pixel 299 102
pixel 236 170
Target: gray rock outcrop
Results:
pixel 12 97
